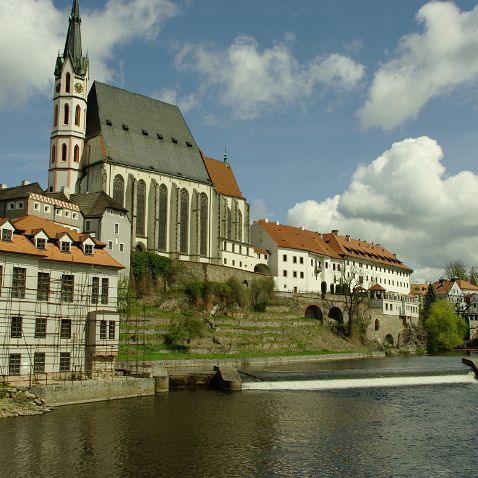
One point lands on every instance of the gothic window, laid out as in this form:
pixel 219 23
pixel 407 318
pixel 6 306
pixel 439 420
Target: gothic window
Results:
pixel 163 217
pixel 76 156
pixel 53 154
pixel 184 222
pixel 228 223
pixel 68 81
pixel 55 120
pixel 203 218
pixel 239 226
pixel 66 114
pixel 118 189
pixel 63 152
pixel 77 115
pixel 140 208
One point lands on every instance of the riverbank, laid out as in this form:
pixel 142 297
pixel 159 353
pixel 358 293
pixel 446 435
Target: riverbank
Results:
pixel 15 402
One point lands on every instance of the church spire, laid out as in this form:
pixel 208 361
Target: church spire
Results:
pixel 73 49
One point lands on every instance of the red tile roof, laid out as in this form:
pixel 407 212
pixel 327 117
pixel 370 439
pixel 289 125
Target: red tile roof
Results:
pixel 346 246
pixel 442 287
pixel 222 177
pixel 297 238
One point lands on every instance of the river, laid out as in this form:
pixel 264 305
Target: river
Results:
pixel 382 431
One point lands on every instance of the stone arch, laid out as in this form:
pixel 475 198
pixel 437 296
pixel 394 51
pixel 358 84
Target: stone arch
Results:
pixel 336 314
pixel 262 268
pixel 389 339
pixel 313 312
pixel 140 247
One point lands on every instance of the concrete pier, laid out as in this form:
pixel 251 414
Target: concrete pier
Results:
pixel 228 379
pixel 161 381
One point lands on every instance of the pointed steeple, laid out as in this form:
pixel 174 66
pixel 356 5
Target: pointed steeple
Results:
pixel 73 49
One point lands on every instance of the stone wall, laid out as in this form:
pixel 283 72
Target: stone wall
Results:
pixel 213 272
pixel 67 393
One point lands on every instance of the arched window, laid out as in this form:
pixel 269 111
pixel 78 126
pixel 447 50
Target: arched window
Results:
pixel 140 208
pixel 118 189
pixel 77 115
pixel 55 119
pixel 184 222
pixel 66 115
pixel 162 217
pixel 63 152
pixel 76 155
pixel 203 224
pixel 239 226
pixel 228 223
pixel 53 154
pixel 68 80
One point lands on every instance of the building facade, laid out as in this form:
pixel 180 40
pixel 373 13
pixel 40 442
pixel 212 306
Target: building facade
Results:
pixel 58 302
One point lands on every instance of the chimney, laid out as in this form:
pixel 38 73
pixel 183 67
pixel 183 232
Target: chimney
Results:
pixel 335 232
pixel 266 220
pixel 25 182
pixel 277 223
pixel 347 237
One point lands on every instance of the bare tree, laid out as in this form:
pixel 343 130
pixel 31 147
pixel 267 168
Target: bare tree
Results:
pixel 456 270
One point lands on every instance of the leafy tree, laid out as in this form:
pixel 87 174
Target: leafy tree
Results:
pixel 430 298
pixel 261 292
pixel 456 269
pixel 473 276
pixel 445 329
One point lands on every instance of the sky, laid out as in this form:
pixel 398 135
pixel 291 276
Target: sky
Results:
pixel 353 115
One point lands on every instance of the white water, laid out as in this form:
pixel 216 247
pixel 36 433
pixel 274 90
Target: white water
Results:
pixel 358 383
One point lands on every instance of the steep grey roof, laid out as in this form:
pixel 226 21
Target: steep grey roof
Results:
pixel 143 133
pixel 95 204
pixel 19 192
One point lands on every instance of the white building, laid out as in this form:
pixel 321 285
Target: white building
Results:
pixel 58 300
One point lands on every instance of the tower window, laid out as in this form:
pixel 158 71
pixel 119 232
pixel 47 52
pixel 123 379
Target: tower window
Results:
pixel 53 153
pixel 77 115
pixel 63 152
pixel 55 120
pixel 76 156
pixel 68 81
pixel 66 114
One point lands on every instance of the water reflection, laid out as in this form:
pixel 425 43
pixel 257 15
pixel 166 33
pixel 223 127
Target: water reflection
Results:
pixel 409 431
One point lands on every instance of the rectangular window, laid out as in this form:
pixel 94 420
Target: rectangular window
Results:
pixel 284 257
pixel 65 329
pixel 294 274
pixel 41 243
pixel 103 329
pixel 301 275
pixel 112 330
pixel 39 362
pixel 88 249
pixel 6 235
pixel 121 247
pixel 95 290
pixel 14 363
pixel 116 228
pixel 40 327
pixel 294 259
pixel 110 245
pixel 16 327
pixel 43 286
pixel 65 246
pixel 301 260
pixel 104 291
pixel 67 287
pixel 87 226
pixel 284 273
pixel 64 361
pixel 18 282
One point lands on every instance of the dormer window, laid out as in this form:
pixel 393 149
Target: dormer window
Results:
pixel 88 249
pixel 65 246
pixel 41 243
pixel 6 235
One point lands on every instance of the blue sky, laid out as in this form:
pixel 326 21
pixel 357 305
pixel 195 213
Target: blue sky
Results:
pixel 304 94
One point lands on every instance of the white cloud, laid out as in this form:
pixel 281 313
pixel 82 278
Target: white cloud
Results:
pixel 33 31
pixel 168 95
pixel 441 58
pixel 251 80
pixel 259 210
pixel 405 201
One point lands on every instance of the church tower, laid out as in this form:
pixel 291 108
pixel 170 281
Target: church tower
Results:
pixel 69 110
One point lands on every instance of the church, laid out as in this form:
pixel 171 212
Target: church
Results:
pixel 140 151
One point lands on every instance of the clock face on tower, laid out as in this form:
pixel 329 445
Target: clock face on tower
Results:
pixel 78 87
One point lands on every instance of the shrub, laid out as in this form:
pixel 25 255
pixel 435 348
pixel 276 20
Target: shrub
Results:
pixel 150 266
pixel 261 292
pixel 181 331
pixel 194 291
pixel 445 329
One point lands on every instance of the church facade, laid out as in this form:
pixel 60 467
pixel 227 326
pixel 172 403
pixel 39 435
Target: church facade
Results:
pixel 140 151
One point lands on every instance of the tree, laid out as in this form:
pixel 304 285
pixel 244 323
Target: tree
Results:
pixel 457 270
pixel 445 329
pixel 473 276
pixel 430 298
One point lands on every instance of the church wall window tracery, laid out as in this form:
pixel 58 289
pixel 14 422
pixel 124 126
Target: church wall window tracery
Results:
pixel 203 224
pixel 163 217
pixel 140 208
pixel 118 189
pixel 184 222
